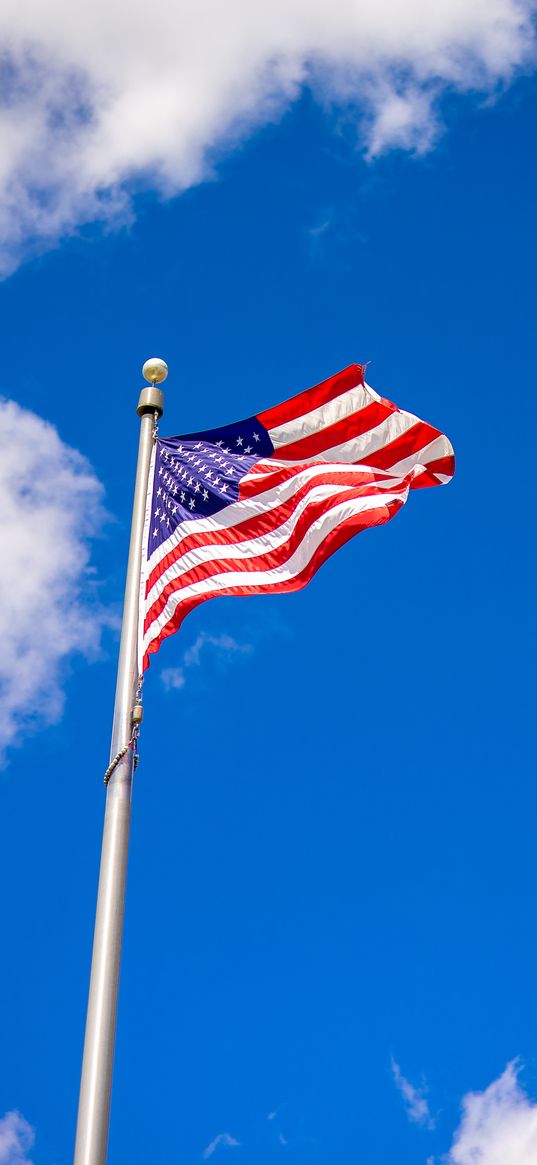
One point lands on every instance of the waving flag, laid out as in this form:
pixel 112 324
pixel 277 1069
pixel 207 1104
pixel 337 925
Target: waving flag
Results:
pixel 257 506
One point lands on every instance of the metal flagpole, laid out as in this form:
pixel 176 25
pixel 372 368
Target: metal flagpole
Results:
pixel 97 1063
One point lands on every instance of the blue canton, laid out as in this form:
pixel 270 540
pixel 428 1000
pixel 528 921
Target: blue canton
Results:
pixel 198 475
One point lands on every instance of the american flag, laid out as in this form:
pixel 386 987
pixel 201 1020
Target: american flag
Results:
pixel 257 506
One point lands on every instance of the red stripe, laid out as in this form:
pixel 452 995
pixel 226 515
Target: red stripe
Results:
pixel 331 436
pixel 444 465
pixel 259 523
pixel 265 560
pixel 332 542
pixel 252 486
pixel 312 398
pixel 424 479
pixel 410 442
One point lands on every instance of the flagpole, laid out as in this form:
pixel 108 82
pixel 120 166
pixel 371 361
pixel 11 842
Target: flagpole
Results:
pixel 98 1058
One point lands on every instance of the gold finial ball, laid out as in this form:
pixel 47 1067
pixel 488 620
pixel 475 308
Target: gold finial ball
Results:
pixel 155 370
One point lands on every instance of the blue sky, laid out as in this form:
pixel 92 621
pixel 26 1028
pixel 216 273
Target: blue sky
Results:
pixel 332 860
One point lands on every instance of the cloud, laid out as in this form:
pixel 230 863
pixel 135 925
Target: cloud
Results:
pixel 220 642
pixel 221 1139
pixel 498 1126
pixel 130 95
pixel 174 678
pixel 50 506
pixel 16 1137
pixel 416 1105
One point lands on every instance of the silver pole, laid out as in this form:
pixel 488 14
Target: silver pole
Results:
pixel 98 1059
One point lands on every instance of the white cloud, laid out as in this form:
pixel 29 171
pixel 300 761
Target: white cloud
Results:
pixel 173 678
pixel 100 97
pixel 225 646
pixel 221 1139
pixel 223 643
pixel 16 1137
pixel 50 506
pixel 416 1104
pixel 498 1126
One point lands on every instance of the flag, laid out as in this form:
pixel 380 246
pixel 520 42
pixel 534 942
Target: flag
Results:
pixel 257 506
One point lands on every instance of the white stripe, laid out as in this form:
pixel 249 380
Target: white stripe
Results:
pixel 360 447
pixel 313 537
pixel 269 467
pixel 440 447
pixel 351 401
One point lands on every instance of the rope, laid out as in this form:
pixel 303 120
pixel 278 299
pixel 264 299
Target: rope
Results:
pixel 119 755
pixel 136 719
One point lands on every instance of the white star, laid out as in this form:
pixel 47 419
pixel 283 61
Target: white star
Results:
pixel 248 449
pixel 217 481
pixel 240 440
pixel 155 532
pixel 197 445
pixel 192 503
pixel 219 443
pixel 205 496
pixel 224 488
pixel 197 487
pixel 228 451
pixel 183 495
pixel 256 436
pixel 209 473
pixel 157 512
pixel 190 480
pixel 161 471
pixel 163 518
pixel 159 492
